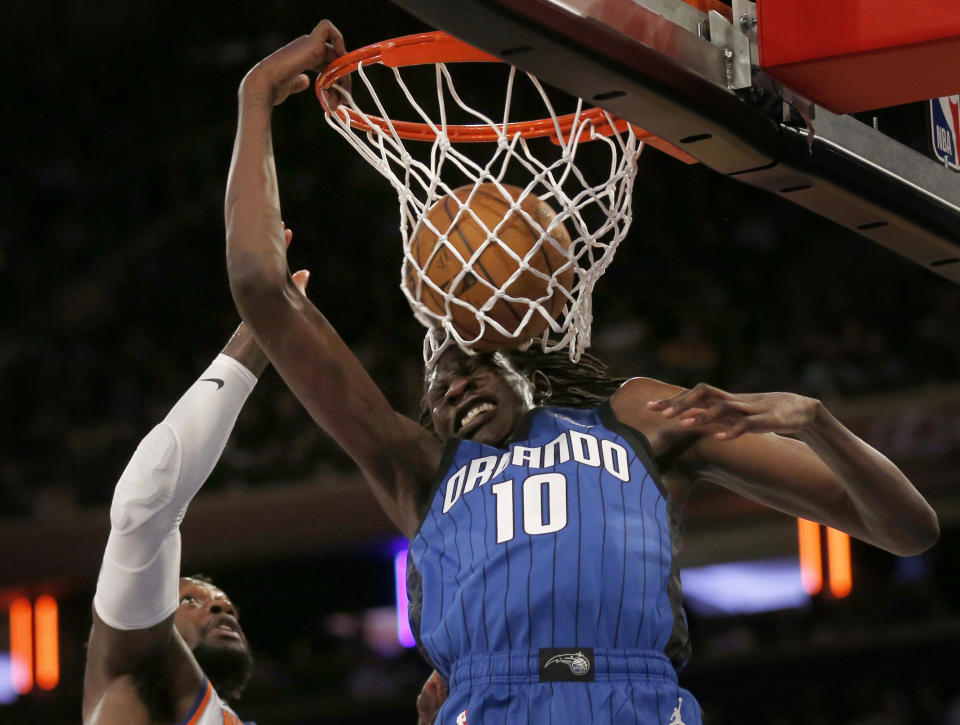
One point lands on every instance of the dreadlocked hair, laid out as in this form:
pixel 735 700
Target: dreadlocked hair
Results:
pixel 581 384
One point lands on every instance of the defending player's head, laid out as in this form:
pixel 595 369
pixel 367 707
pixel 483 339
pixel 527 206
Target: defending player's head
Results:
pixel 482 397
pixel 209 624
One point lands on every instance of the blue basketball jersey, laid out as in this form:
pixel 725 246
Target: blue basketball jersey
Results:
pixel 559 539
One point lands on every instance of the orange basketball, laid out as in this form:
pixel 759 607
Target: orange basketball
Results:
pixel 494 265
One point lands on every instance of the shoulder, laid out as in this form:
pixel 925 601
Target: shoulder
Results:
pixel 630 401
pixel 630 406
pixel 650 387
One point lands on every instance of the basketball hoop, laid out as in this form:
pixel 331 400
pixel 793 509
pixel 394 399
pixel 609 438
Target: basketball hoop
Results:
pixel 596 210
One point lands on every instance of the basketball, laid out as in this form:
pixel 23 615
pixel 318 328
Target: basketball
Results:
pixel 465 232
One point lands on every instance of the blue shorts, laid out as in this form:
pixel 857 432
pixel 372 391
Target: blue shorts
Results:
pixel 630 687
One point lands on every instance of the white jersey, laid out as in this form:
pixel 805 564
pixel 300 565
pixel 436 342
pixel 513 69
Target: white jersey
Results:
pixel 209 709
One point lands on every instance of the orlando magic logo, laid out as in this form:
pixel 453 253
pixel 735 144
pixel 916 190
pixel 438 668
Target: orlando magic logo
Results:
pixel 577 665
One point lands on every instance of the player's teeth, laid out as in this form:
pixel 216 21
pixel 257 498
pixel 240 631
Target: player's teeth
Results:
pixel 474 412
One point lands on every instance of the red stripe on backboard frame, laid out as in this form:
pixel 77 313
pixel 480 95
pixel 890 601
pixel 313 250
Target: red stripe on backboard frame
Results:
pixel 853 56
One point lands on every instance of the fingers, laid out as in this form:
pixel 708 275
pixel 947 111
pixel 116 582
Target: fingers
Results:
pixel 762 423
pixel 326 32
pixel 336 94
pixel 696 396
pixel 284 71
pixel 704 405
pixel 727 416
pixel 315 51
pixel 715 412
pixel 432 696
pixel 300 279
pixel 330 54
pixel 439 687
pixel 742 426
pixel 323 46
pixel 297 84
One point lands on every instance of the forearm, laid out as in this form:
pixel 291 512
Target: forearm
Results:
pixel 891 509
pixel 138 581
pixel 256 249
pixel 243 348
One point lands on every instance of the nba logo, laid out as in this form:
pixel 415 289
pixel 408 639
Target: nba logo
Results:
pixel 945 129
pixel 462 718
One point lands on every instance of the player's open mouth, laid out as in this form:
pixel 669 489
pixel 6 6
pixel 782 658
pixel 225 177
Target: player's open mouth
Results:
pixel 224 626
pixel 224 631
pixel 474 414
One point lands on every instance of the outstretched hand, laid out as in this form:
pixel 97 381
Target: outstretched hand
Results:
pixel 736 414
pixel 283 73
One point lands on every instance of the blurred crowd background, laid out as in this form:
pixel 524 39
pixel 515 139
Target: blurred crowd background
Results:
pixel 118 128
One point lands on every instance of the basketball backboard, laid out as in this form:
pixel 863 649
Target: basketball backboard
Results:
pixel 690 75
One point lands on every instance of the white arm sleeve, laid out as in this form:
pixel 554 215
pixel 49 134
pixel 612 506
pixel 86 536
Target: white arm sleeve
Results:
pixel 139 579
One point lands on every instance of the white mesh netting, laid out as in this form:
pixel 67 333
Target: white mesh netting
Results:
pixel 473 278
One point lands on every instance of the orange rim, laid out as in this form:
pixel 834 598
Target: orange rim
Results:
pixel 440 47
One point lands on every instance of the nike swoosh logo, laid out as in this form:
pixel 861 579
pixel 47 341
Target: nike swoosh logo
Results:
pixel 218 381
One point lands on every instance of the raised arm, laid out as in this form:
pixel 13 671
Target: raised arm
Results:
pixel 823 472
pixel 133 642
pixel 395 454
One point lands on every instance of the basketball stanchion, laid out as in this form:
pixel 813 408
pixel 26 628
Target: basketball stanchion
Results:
pixel 515 253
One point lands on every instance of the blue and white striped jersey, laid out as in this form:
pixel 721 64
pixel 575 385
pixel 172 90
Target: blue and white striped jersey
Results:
pixel 561 538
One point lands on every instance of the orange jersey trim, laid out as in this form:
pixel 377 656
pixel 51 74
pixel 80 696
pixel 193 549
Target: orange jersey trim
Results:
pixel 230 719
pixel 195 718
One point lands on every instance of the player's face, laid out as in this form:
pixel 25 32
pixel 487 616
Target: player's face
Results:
pixel 207 616
pixel 477 397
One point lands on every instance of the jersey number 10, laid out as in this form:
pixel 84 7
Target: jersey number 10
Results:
pixel 551 485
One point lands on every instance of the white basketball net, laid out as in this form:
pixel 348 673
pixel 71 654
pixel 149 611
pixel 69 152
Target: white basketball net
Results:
pixel 596 212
